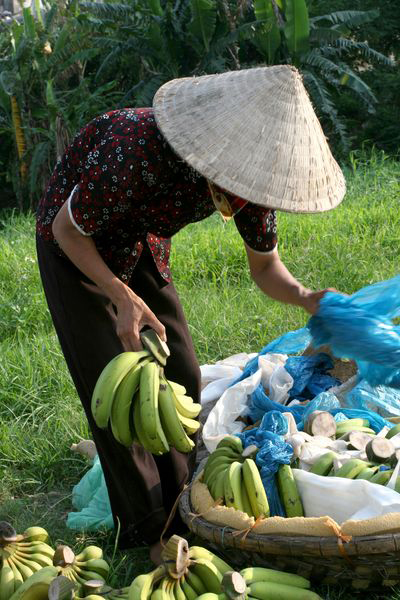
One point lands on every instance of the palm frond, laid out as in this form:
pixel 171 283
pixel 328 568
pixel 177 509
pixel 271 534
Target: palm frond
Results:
pixel 364 49
pixel 350 18
pixel 324 103
pixel 114 12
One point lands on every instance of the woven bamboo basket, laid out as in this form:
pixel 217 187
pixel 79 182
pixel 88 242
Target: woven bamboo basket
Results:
pixel 365 562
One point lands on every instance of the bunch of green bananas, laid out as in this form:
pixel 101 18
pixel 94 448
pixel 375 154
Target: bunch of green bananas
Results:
pixel 21 556
pixel 86 566
pixel 142 406
pixel 205 575
pixel 231 475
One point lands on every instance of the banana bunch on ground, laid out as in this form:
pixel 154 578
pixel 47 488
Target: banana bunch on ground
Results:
pixel 88 565
pixel 233 476
pixel 195 572
pixel 141 404
pixel 37 585
pixel 21 556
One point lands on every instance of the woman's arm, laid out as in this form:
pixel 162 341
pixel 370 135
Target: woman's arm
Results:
pixel 132 312
pixel 274 279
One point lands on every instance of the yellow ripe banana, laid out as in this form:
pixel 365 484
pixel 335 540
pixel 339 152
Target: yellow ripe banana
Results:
pixel 233 486
pixel 121 406
pixel 196 552
pixel 254 574
pixel 95 565
pixel 42 559
pixel 177 387
pixel 7 581
pixel 108 382
pixel 178 591
pixel 28 562
pixel 173 428
pixel 142 586
pixel 34 547
pixel 289 492
pixel 25 571
pixel 18 579
pixel 157 595
pixel 148 404
pixel 209 574
pixel 190 425
pixel 255 489
pixel 89 553
pixel 43 577
pixel 185 405
pixel 36 534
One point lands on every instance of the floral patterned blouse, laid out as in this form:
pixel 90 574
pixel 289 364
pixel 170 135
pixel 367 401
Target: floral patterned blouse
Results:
pixel 126 187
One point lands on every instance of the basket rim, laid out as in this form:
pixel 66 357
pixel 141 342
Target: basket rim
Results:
pixel 284 544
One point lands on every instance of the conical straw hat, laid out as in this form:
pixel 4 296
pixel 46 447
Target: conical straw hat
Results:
pixel 255 134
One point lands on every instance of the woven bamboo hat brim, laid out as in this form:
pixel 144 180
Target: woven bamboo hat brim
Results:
pixel 255 134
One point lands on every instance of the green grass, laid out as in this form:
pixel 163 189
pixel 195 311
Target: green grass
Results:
pixel 40 414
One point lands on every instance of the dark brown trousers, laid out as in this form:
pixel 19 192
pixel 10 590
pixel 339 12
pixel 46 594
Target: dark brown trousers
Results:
pixel 142 487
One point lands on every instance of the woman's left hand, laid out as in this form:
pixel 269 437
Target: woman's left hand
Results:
pixel 310 300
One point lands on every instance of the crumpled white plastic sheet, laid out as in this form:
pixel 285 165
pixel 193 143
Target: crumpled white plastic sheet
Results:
pixel 232 402
pixel 342 498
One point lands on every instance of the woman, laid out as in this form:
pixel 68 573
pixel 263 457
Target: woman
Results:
pixel 246 143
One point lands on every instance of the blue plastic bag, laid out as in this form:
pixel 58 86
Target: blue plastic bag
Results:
pixel 309 376
pixel 385 400
pixel 90 497
pixel 359 327
pixel 273 451
pixel 292 342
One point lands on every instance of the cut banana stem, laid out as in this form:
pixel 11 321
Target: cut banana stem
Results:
pixel 63 556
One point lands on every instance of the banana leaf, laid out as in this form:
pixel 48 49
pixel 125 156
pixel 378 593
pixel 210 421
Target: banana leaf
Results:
pixel 29 23
pixel 204 18
pixel 268 37
pixel 297 28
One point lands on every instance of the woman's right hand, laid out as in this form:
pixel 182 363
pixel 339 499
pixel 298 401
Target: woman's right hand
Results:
pixel 132 315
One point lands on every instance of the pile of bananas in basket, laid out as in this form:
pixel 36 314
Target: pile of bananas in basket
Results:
pixel 141 404
pixel 232 476
pixel 194 572
pixel 377 455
